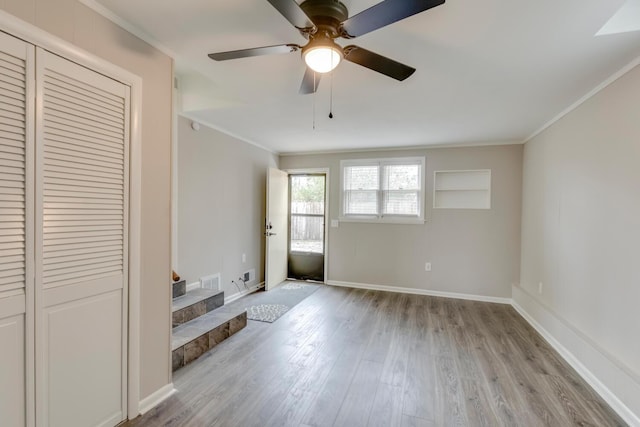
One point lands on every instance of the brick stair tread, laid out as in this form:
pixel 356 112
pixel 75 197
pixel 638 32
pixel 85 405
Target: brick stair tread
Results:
pixel 199 326
pixel 193 296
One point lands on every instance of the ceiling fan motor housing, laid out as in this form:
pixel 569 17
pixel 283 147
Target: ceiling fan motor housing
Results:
pixel 327 15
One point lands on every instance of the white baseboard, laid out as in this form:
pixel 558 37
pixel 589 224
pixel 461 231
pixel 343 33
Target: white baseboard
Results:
pixel 239 295
pixel 616 384
pixel 416 291
pixel 192 286
pixel 155 398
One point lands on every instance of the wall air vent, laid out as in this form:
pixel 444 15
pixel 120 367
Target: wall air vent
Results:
pixel 211 282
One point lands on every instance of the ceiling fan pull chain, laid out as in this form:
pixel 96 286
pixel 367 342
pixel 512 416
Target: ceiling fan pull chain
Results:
pixel 331 97
pixel 314 101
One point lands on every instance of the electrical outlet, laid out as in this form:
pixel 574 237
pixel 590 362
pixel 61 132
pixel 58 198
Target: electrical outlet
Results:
pixel 540 288
pixel 244 258
pixel 427 266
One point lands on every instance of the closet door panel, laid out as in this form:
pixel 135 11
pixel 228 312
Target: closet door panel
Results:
pixel 85 379
pixel 81 236
pixel 16 230
pixel 12 369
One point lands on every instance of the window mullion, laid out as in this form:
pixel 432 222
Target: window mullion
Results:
pixel 380 191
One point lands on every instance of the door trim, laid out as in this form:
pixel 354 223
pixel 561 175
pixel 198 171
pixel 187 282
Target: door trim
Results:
pixel 277 206
pixel 327 216
pixel 38 37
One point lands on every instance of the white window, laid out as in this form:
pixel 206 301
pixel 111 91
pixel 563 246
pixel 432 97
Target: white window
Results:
pixel 382 190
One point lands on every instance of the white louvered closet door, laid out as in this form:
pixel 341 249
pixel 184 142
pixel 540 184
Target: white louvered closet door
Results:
pixel 81 245
pixel 16 228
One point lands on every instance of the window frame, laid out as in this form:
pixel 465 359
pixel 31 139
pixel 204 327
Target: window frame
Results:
pixel 379 217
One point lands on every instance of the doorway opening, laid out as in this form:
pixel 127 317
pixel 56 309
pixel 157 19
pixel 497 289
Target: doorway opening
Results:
pixel 306 243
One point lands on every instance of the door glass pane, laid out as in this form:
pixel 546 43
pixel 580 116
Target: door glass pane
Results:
pixel 307 234
pixel 307 214
pixel 307 195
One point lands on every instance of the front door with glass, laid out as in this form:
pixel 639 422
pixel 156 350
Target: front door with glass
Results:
pixel 307 227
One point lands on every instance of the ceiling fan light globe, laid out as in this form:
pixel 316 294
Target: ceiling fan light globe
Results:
pixel 322 59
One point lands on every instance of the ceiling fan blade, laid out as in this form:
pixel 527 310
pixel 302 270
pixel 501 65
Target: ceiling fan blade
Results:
pixel 308 81
pixel 294 14
pixel 378 63
pixel 384 13
pixel 256 51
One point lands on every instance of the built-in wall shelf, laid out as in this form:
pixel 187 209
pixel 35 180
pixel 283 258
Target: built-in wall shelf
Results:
pixel 462 189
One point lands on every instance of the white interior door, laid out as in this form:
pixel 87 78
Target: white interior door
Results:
pixel 81 217
pixel 16 230
pixel 276 228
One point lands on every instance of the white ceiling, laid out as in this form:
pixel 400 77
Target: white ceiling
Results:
pixel 489 71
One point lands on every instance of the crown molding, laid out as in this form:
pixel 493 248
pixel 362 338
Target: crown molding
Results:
pixel 615 76
pixel 128 26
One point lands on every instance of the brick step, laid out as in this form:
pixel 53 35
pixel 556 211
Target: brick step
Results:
pixel 194 338
pixel 195 303
pixel 179 288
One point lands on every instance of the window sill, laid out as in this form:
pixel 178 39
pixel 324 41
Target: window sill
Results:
pixel 388 220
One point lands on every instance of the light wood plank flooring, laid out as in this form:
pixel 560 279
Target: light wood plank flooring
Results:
pixel 349 357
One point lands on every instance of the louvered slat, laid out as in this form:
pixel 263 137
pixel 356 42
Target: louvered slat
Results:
pixel 76 121
pixel 79 250
pixel 12 171
pixel 83 195
pixel 8 225
pixel 83 184
pixel 67 128
pixel 83 179
pixel 85 153
pixel 89 91
pixel 10 90
pixel 55 189
pixel 11 247
pixel 8 113
pixel 86 117
pixel 83 256
pixel 65 271
pixel 97 234
pixel 6 260
pixel 84 147
pixel 75 162
pixel 108 115
pixel 12 282
pixel 76 278
pixel 51 224
pixel 87 219
pixel 94 141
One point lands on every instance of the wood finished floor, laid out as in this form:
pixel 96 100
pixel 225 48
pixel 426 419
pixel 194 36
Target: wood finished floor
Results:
pixel 349 357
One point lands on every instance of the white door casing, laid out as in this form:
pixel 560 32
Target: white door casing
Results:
pixel 81 234
pixel 276 230
pixel 16 231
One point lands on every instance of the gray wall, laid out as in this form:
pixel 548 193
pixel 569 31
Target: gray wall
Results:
pixel 472 251
pixel 221 205
pixel 581 232
pixel 79 25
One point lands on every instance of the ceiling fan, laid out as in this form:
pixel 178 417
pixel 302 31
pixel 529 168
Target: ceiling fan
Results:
pixel 323 21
